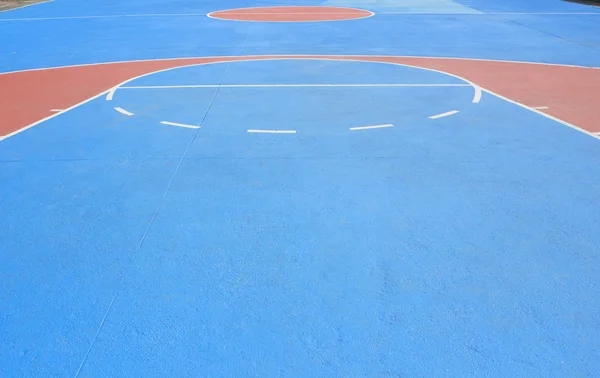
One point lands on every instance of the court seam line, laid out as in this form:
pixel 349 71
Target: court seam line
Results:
pixel 499 17
pixel 298 56
pixel 160 204
pixel 87 353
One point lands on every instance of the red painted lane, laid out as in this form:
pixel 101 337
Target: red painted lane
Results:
pixel 571 93
pixel 291 14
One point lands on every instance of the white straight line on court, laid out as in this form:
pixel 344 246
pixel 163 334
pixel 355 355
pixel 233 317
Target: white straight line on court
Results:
pixel 290 85
pixel 180 125
pixel 539 107
pixel 123 111
pixel 273 131
pixel 444 114
pixel 371 127
pixel 57 110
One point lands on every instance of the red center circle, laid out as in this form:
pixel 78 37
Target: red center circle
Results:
pixel 291 14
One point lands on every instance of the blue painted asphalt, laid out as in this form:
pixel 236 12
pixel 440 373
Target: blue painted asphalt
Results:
pixel 465 245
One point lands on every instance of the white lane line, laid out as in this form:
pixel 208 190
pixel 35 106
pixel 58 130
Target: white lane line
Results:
pixel 273 131
pixel 180 125
pixel 539 107
pixel 444 114
pixel 111 93
pixel 478 94
pixel 57 110
pixel 123 111
pixel 287 85
pixel 371 127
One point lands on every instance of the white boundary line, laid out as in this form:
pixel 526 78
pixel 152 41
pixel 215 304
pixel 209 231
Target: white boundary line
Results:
pixel 371 14
pixel 123 111
pixel 332 58
pixel 180 125
pixel 539 107
pixel 371 127
pixel 272 131
pixel 57 110
pixel 284 86
pixel 303 56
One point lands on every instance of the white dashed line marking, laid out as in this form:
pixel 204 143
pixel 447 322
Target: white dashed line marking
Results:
pixel 452 112
pixel 273 131
pixel 180 125
pixel 371 127
pixel 123 111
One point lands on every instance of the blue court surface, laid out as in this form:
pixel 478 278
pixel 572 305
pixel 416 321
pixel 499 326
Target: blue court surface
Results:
pixel 299 217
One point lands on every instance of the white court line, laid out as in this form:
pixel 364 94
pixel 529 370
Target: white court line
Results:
pixel 180 125
pixel 287 85
pixel 111 93
pixel 444 114
pixel 478 94
pixel 539 107
pixel 337 58
pixel 273 131
pixel 56 110
pixel 371 127
pixel 123 111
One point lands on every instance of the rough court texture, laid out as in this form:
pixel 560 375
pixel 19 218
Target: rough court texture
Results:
pixel 182 195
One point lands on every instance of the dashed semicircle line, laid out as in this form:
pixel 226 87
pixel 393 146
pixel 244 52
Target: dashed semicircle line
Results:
pixel 179 125
pixel 452 112
pixel 123 111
